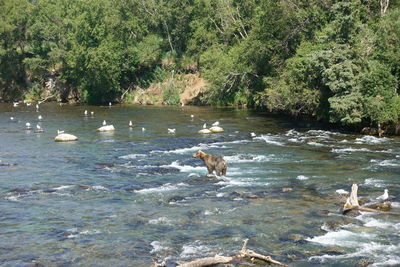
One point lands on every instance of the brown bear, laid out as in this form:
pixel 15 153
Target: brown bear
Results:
pixel 216 163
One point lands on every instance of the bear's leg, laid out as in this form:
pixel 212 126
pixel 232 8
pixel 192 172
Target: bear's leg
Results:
pixel 210 170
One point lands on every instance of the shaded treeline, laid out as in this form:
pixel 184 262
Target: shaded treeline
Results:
pixel 338 61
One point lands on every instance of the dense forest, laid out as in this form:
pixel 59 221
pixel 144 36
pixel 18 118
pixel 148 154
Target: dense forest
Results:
pixel 337 61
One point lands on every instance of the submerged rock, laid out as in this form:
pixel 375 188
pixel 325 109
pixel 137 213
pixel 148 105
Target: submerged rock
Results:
pixel 64 137
pixel 106 128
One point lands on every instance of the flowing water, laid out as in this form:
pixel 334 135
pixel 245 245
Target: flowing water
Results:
pixel 127 197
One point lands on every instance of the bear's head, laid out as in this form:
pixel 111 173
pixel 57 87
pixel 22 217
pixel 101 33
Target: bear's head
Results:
pixel 198 155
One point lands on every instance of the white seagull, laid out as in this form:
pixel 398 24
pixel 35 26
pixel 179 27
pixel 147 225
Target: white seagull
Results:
pixel 40 117
pixel 171 130
pixel 130 124
pixel 109 104
pixel 15 104
pixel 192 116
pixel 92 113
pixel 38 128
pixel 60 132
pixel 28 126
pixel 11 118
pixel 104 123
pixel 385 196
pixel 85 113
pixel 215 123
pixel 37 106
pixel 253 134
pixel 204 125
pixel 143 129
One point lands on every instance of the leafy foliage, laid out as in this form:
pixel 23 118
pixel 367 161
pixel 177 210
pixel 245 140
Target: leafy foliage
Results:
pixel 336 60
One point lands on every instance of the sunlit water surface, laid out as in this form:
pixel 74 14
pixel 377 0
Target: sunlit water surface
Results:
pixel 131 196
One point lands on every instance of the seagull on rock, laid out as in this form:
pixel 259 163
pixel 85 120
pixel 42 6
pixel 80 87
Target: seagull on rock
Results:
pixel 215 123
pixel 104 123
pixel 204 125
pixel 385 196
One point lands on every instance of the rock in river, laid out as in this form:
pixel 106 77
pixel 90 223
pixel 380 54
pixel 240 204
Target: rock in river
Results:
pixel 64 137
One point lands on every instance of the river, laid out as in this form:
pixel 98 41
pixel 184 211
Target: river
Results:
pixel 130 196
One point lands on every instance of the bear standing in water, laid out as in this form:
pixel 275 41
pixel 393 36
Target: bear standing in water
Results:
pixel 216 163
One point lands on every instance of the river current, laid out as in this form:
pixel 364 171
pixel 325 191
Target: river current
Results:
pixel 128 197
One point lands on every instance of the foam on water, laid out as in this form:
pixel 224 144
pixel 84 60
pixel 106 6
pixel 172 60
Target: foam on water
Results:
pixel 242 182
pixel 302 177
pixel 188 149
pixel 270 139
pixel 350 150
pixel 386 162
pixel 343 238
pixel 185 168
pixel 133 156
pixel 242 158
pixel 374 182
pixel 194 250
pixel 157 247
pixel 160 189
pixel 371 140
pixel 161 220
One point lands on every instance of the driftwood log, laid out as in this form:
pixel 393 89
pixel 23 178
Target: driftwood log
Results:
pixel 352 202
pixel 217 259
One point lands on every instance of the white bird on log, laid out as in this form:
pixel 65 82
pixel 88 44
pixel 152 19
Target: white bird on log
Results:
pixel 385 196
